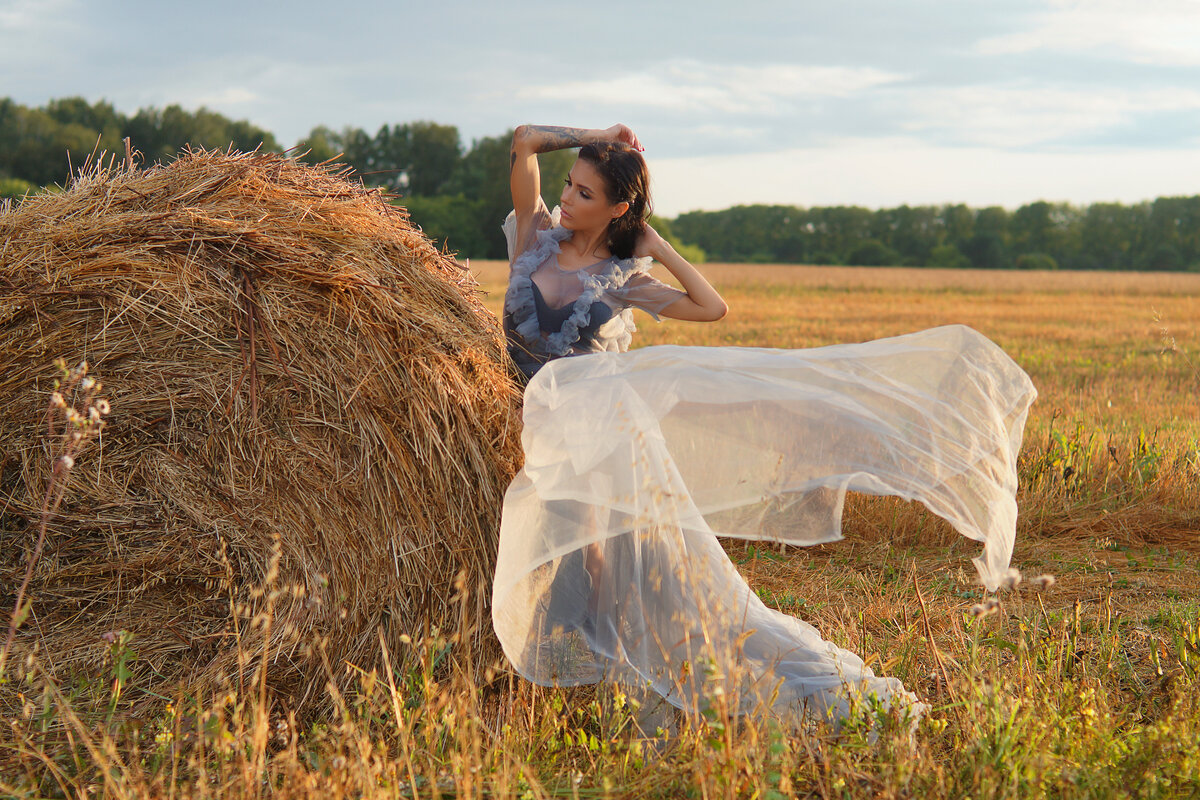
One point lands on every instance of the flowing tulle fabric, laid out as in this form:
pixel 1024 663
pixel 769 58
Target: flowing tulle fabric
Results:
pixel 609 565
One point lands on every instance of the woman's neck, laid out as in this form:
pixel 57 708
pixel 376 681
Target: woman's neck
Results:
pixel 584 245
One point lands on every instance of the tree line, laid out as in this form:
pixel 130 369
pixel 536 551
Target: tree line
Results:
pixel 40 146
pixel 459 195
pixel 1163 234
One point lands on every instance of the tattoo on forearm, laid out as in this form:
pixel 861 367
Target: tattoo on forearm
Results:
pixel 558 137
pixel 554 137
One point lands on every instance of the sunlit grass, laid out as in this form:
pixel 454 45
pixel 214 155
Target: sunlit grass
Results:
pixel 1090 688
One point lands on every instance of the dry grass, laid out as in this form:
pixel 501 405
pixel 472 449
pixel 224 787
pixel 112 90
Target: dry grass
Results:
pixel 1088 689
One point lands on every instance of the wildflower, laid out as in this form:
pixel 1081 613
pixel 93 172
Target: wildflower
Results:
pixel 988 606
pixel 87 383
pixel 56 400
pixel 66 462
pixel 93 414
pixel 1012 577
pixel 102 406
pixel 1046 581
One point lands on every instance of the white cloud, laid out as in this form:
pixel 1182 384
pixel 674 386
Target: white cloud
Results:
pixel 1019 116
pixel 231 96
pixel 27 15
pixel 889 172
pixel 1163 32
pixel 700 93
pixel 692 86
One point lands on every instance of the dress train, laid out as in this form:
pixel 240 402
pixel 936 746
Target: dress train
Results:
pixel 609 566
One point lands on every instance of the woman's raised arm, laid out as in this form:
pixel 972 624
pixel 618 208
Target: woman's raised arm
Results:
pixel 528 140
pixel 703 303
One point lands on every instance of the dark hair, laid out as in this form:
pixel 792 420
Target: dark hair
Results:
pixel 626 180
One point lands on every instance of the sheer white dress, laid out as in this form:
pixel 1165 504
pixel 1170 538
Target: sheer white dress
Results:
pixel 609 567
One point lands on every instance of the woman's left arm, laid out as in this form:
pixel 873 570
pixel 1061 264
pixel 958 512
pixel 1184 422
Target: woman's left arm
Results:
pixel 703 303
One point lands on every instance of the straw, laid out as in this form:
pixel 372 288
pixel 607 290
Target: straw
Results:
pixel 294 369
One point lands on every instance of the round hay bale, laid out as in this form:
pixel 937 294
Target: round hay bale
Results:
pixel 312 421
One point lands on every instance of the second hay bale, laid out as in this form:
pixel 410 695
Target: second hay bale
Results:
pixel 311 412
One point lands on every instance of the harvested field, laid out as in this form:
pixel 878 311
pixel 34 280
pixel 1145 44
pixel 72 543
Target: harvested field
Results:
pixel 1116 352
pixel 1089 688
pixel 492 273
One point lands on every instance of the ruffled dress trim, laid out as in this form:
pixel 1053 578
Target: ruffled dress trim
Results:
pixel 521 309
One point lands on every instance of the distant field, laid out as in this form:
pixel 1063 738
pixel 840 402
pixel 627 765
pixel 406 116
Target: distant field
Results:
pixel 1119 352
pixel 492 273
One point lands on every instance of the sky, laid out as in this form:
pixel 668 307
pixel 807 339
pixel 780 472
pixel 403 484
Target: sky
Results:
pixel 867 102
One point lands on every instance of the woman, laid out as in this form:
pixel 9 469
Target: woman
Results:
pixel 577 273
pixel 609 567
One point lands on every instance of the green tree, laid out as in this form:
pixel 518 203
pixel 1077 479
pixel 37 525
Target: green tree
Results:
pixel 691 252
pixel 1172 234
pixel 839 230
pixel 993 219
pixel 452 221
pixel 1046 228
pixel 434 154
pixel 1110 233
pixel 416 158
pixel 1035 261
pixel 161 133
pixel 38 148
pixel 957 222
pixel 705 230
pixel 910 231
pixel 987 250
pixel 988 246
pixel 948 256
pixel 321 144
pixel 101 117
pixel 746 233
pixel 872 253
pixel 15 188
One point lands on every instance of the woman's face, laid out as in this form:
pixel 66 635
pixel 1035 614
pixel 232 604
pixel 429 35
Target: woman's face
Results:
pixel 584 202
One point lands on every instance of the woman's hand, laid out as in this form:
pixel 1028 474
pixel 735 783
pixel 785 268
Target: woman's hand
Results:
pixel 623 133
pixel 703 303
pixel 650 243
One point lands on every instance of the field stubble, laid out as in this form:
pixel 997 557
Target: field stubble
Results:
pixel 1090 688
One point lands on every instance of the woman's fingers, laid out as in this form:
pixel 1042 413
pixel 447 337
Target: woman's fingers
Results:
pixel 623 133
